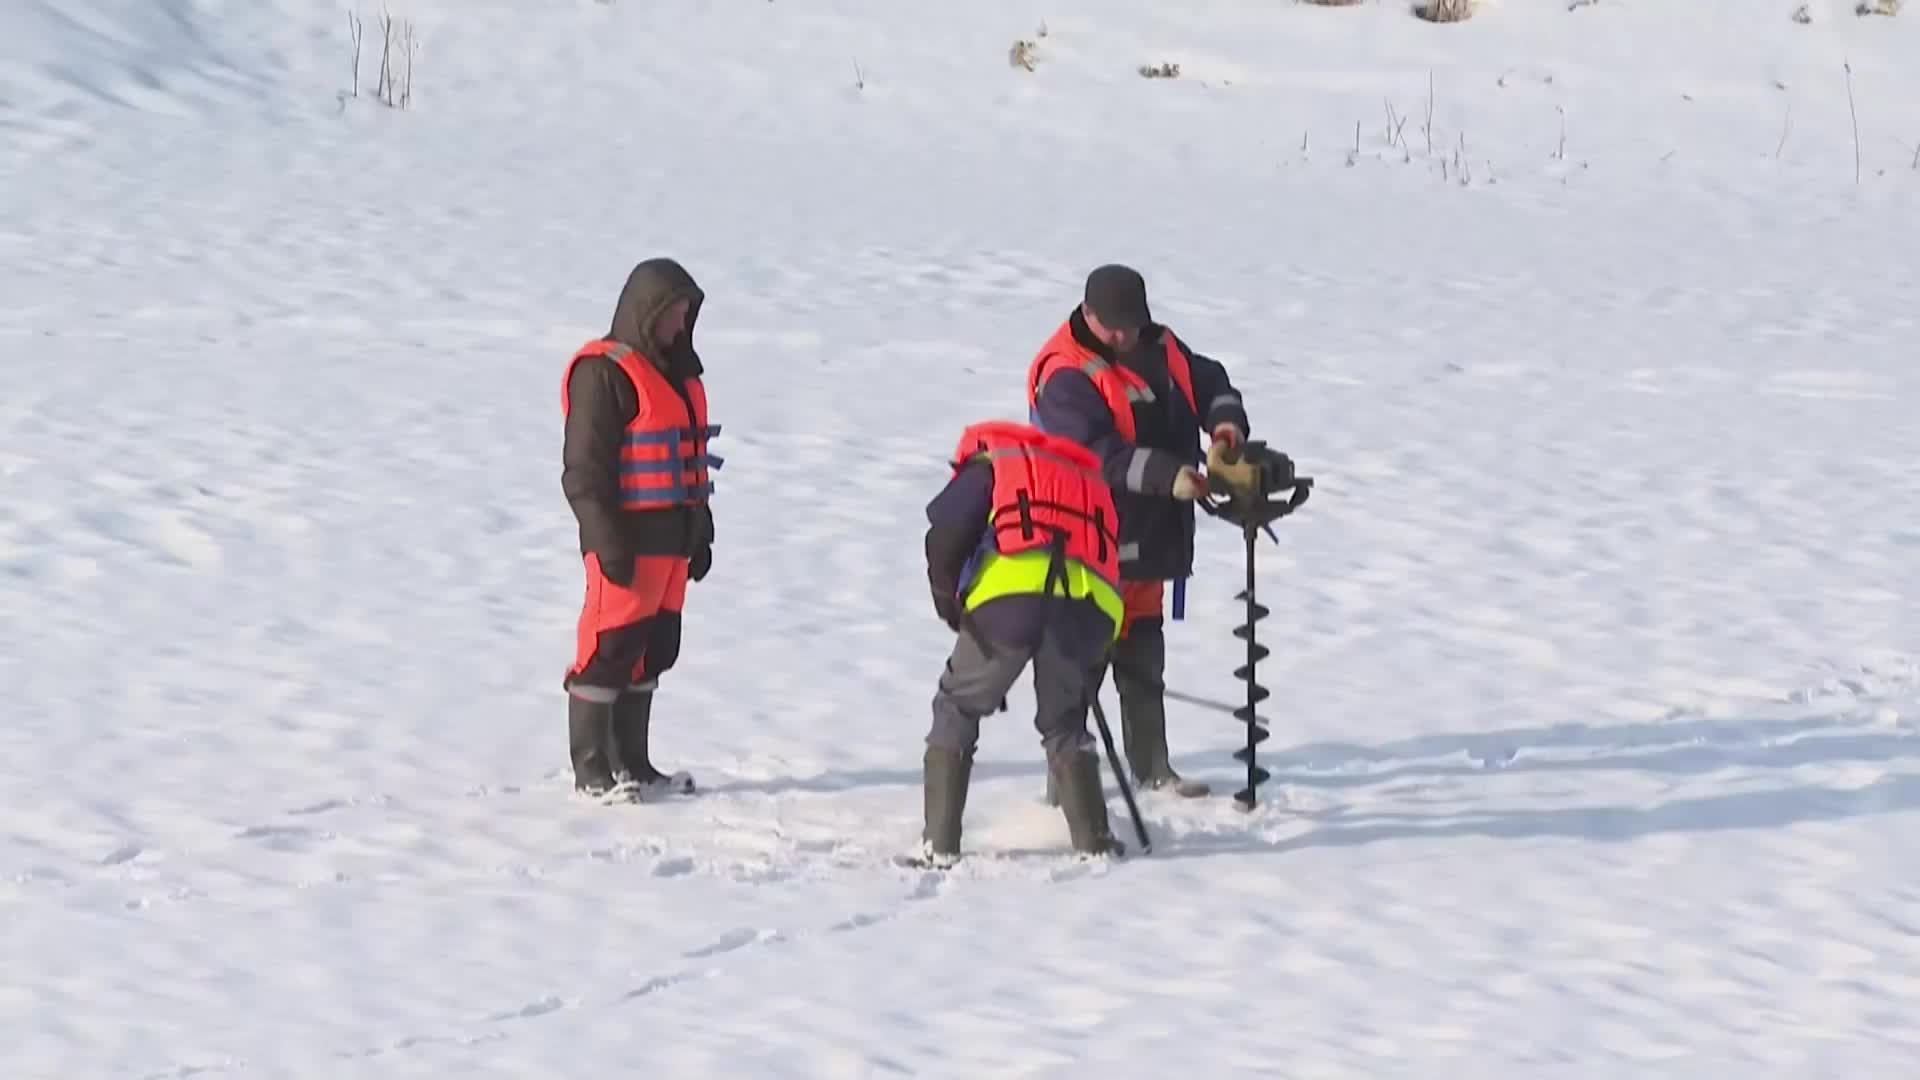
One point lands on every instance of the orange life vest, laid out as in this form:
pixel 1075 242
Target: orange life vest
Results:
pixel 1120 388
pixel 1048 494
pixel 664 460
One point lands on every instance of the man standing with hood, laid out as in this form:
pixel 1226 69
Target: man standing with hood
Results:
pixel 637 477
pixel 1124 387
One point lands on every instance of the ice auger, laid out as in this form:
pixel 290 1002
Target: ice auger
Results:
pixel 1252 486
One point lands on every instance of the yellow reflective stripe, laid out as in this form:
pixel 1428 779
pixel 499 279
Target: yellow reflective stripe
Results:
pixel 1025 574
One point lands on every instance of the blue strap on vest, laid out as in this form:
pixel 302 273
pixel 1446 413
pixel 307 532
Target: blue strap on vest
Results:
pixel 675 466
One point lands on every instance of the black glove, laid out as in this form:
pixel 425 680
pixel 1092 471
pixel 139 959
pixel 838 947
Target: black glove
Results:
pixel 700 560
pixel 947 606
pixel 618 569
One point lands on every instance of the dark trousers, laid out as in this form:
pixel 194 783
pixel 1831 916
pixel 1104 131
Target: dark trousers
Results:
pixel 978 676
pixel 1139 666
pixel 628 634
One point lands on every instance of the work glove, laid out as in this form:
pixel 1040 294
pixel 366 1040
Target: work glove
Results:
pixel 618 569
pixel 1229 433
pixel 1189 484
pixel 947 606
pixel 700 560
pixel 1238 477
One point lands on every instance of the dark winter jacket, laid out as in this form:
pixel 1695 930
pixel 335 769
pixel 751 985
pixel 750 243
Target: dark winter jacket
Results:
pixel 957 534
pixel 1156 530
pixel 604 401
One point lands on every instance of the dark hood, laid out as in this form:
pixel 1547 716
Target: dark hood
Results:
pixel 651 288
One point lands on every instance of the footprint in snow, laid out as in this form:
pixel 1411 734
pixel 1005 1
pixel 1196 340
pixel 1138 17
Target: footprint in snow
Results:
pixel 526 1012
pixel 658 983
pixel 929 887
pixel 678 866
pixel 285 837
pixel 864 919
pixel 735 939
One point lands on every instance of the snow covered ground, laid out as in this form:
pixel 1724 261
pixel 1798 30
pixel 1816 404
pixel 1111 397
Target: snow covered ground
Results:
pixel 1597 652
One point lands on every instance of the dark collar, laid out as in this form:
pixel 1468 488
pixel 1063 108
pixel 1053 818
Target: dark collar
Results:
pixel 1083 335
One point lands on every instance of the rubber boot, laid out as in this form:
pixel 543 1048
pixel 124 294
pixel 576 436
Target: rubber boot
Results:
pixel 590 742
pixel 947 774
pixel 1143 717
pixel 1143 728
pixel 632 715
pixel 1084 803
pixel 640 779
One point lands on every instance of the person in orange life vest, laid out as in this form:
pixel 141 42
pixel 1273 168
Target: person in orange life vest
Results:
pixel 1125 387
pixel 1023 562
pixel 637 478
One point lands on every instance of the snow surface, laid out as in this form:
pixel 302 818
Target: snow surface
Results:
pixel 1597 656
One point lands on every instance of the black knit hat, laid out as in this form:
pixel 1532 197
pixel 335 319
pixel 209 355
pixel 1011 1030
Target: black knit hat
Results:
pixel 1117 296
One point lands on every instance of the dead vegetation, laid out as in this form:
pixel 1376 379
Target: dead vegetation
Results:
pixel 398 49
pixel 1445 11
pixel 1025 52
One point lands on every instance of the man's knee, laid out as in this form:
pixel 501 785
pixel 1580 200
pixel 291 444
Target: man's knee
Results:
pixel 1065 742
pixel 1062 725
pixel 662 647
pixel 1140 659
pixel 609 657
pixel 953 729
pixel 973 685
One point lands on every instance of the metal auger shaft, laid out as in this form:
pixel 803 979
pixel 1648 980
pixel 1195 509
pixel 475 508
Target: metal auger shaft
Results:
pixel 1251 477
pixel 1248 713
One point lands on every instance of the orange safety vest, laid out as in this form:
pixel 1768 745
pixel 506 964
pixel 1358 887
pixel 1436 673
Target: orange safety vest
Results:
pixel 664 460
pixel 1048 494
pixel 1120 388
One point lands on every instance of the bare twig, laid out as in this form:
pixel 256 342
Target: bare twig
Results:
pixel 1786 129
pixel 859 77
pixel 1429 112
pixel 386 58
pixel 1562 152
pixel 1916 158
pixel 1856 124
pixel 413 50
pixel 399 47
pixel 1445 11
pixel 355 28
